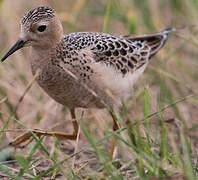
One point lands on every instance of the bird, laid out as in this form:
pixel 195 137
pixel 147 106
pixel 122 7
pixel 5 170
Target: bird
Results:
pixel 84 69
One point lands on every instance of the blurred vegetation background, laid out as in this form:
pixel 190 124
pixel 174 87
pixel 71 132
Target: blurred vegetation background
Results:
pixel 171 75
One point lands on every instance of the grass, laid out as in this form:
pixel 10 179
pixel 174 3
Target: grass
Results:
pixel 158 138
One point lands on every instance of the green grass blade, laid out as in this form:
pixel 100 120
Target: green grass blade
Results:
pixel 6 171
pixel 187 159
pixel 107 16
pixel 146 114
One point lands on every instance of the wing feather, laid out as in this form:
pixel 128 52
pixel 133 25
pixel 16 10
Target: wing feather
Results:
pixel 124 53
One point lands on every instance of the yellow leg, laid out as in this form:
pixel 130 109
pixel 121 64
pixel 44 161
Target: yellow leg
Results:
pixel 116 126
pixel 27 137
pixel 74 122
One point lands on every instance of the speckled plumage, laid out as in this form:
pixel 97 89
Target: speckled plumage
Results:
pixel 85 54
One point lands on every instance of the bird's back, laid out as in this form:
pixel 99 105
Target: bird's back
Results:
pixel 123 53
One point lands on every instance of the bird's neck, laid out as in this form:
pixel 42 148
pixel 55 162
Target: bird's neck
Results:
pixel 40 57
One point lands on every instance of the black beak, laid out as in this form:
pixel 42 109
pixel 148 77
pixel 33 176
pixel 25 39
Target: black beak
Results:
pixel 18 45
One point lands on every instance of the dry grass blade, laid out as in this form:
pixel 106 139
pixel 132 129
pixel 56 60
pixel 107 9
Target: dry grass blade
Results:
pixel 3 100
pixel 26 90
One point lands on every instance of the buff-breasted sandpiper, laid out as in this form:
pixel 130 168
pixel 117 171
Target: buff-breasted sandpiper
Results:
pixel 84 69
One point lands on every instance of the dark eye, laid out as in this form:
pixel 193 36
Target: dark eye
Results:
pixel 41 28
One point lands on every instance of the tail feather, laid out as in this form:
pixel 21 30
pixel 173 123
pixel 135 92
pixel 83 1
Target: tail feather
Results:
pixel 156 41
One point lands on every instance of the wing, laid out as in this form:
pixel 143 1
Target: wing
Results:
pixel 154 41
pixel 127 54
pixel 124 53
